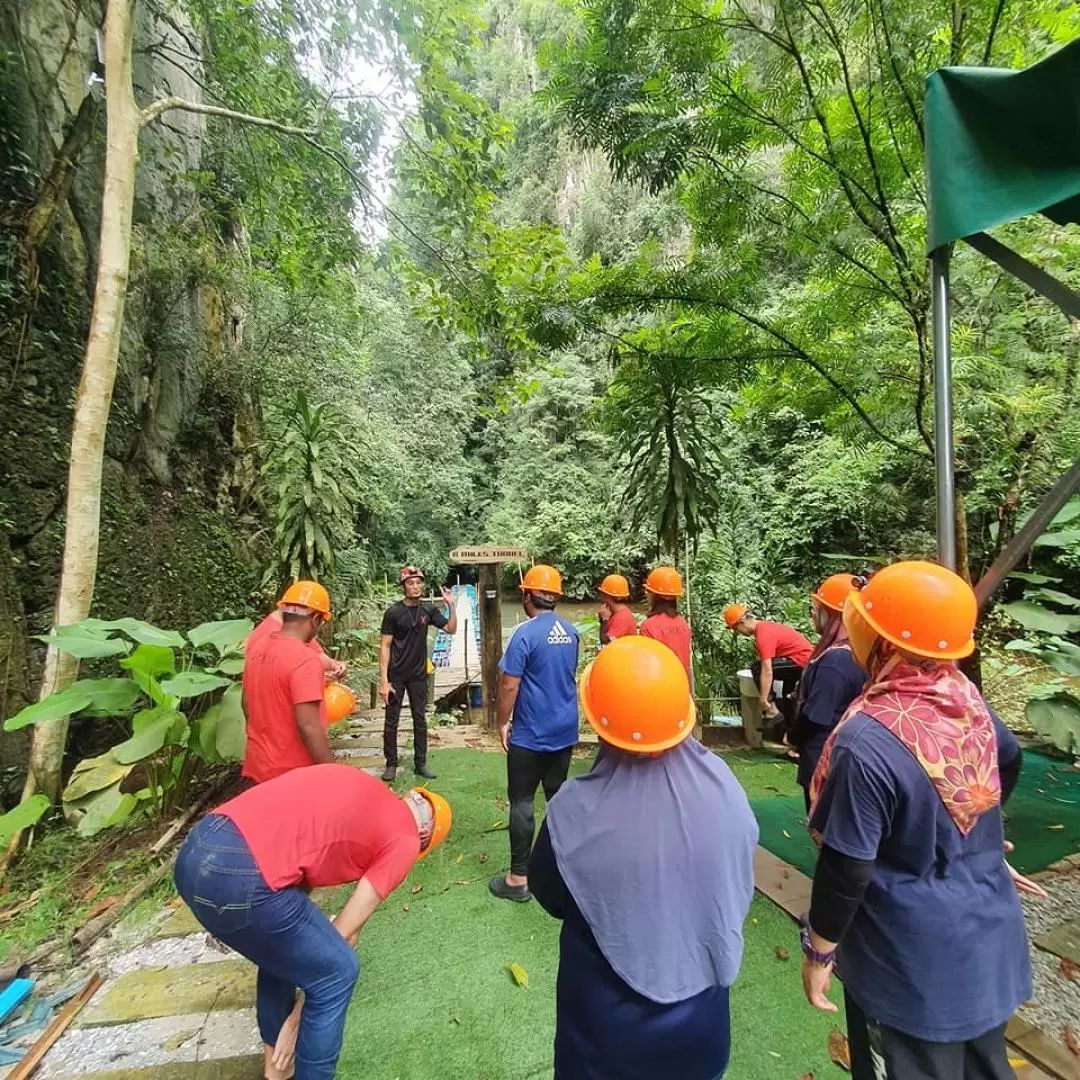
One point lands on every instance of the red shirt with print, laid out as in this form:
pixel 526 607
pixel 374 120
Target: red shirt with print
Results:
pixel 777 640
pixel 673 631
pixel 280 672
pixel 327 825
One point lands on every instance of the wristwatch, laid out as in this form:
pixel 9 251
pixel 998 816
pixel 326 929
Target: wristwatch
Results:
pixel 812 954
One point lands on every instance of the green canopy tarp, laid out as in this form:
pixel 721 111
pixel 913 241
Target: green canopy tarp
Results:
pixel 1003 144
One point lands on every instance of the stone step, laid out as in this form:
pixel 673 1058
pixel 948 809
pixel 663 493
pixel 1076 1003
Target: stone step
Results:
pixel 228 1039
pixel 248 1067
pixel 173 991
pixel 1063 941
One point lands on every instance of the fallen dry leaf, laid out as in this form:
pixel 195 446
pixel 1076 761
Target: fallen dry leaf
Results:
pixel 786 833
pixel 1071 1041
pixel 404 907
pixel 174 1042
pixel 519 974
pixel 90 893
pixel 839 1050
pixel 101 907
pixel 782 953
pixel 417 888
pixel 806 1076
pixel 1055 826
pixel 483 856
pixel 455 1020
pixel 459 858
pixel 1070 969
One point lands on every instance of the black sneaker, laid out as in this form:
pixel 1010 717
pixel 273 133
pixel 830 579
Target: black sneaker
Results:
pixel 389 773
pixel 424 771
pixel 498 886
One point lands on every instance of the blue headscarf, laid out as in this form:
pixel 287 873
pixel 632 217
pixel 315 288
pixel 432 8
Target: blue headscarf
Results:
pixel 658 855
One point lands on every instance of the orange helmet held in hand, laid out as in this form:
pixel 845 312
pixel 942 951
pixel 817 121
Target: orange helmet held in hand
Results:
pixel 442 819
pixel 340 701
pixel 733 613
pixel 920 607
pixel 833 591
pixel 309 594
pixel 636 696
pixel 665 581
pixel 615 586
pixel 542 578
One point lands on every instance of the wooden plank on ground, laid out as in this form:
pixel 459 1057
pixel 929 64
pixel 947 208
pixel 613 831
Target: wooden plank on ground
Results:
pixel 782 883
pixel 1053 1058
pixel 1062 941
pixel 248 1067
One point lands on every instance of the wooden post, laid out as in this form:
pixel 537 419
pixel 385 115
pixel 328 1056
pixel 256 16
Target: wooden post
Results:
pixel 490 638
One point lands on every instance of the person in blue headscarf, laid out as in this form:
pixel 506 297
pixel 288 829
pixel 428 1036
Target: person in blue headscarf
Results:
pixel 648 862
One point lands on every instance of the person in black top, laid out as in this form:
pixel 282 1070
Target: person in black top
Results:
pixel 403 666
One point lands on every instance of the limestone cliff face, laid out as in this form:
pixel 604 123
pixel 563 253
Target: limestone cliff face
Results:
pixel 181 433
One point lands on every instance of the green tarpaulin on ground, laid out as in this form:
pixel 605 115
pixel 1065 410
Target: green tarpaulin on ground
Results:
pixel 1042 818
pixel 1002 144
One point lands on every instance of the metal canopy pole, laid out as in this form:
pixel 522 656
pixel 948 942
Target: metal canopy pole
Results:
pixel 943 415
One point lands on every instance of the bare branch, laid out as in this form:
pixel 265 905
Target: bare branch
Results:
pixel 152 111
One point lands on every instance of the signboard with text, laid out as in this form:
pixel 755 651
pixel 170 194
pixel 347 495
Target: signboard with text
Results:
pixel 487 554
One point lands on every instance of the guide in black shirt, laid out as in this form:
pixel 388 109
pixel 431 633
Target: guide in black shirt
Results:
pixel 403 666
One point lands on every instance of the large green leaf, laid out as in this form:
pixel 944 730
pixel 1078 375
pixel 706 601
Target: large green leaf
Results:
pixel 192 683
pixel 148 740
pixel 20 817
pixel 1057 719
pixel 62 703
pixel 1032 578
pixel 86 646
pixel 1033 616
pixel 230 739
pixel 1053 596
pixel 1065 538
pixel 143 632
pixel 109 697
pixel 94 774
pixel 227 636
pixel 1063 656
pixel 231 665
pixel 151 660
pixel 100 809
pixel 204 741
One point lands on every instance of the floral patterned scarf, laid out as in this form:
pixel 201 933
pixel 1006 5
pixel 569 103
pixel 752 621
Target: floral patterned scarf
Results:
pixel 941 719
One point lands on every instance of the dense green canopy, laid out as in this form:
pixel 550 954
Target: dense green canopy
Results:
pixel 1003 144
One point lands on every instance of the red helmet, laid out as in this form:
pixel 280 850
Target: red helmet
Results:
pixel 408 572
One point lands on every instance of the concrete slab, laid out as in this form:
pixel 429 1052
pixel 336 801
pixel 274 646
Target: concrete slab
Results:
pixel 239 1068
pixel 154 992
pixel 179 924
pixel 224 1036
pixel 1062 941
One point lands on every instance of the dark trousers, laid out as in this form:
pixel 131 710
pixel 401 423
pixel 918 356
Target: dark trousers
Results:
pixel 417 691
pixel 290 941
pixel 881 1053
pixel 787 673
pixel 526 770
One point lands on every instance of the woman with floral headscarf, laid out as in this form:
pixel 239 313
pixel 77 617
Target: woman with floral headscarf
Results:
pixel 913 900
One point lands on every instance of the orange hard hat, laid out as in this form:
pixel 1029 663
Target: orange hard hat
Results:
pixel 636 696
pixel 920 607
pixel 664 581
pixel 443 819
pixel 733 613
pixel 615 586
pixel 340 701
pixel 542 578
pixel 309 594
pixel 833 591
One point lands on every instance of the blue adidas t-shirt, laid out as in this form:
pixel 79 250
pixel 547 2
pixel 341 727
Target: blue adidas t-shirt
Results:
pixel 543 653
pixel 938 948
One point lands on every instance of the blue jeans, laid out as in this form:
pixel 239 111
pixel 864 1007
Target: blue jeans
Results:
pixel 282 932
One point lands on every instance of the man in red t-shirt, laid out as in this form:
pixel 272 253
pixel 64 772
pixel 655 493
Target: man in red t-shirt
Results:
pixel 782 655
pixel 245 871
pixel 334 669
pixel 283 690
pixel 616 618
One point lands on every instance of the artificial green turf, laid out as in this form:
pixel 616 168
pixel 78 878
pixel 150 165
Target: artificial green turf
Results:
pixel 435 1000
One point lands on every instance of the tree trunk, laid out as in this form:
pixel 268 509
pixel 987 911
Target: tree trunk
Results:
pixel 83 514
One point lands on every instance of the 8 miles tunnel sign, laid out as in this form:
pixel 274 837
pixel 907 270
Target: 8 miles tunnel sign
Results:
pixel 487 554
